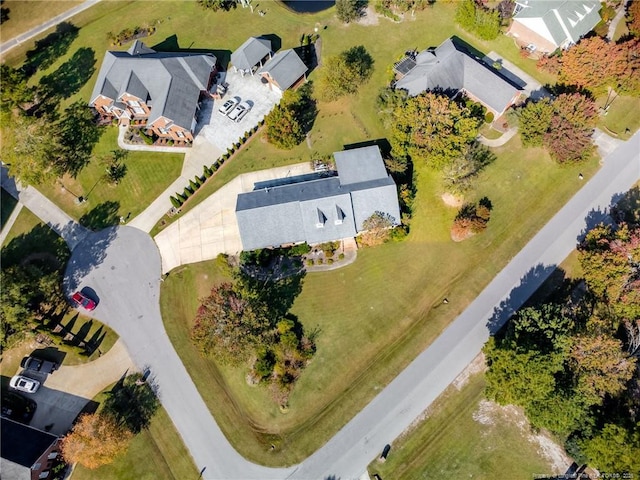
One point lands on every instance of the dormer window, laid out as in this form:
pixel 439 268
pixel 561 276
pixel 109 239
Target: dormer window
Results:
pixel 339 216
pixel 321 219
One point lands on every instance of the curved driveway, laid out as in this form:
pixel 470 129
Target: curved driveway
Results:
pixel 123 265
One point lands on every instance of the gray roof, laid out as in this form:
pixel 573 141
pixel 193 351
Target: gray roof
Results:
pixel 565 19
pixel 319 210
pixel 451 67
pixel 249 54
pixel 285 68
pixel 21 447
pixel 172 81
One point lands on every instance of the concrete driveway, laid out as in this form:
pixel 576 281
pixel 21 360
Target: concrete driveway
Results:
pixel 211 227
pixel 220 130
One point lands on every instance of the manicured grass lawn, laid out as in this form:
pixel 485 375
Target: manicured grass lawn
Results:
pixel 24 15
pixel 7 204
pixel 463 437
pixel 156 453
pixel 622 115
pixel 148 175
pixel 489 133
pixel 377 314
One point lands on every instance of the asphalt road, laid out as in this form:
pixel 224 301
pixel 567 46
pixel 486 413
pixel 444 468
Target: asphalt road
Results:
pixel 9 44
pixel 122 265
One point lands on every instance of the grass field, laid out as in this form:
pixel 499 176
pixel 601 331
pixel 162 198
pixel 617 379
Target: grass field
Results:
pixel 156 453
pixel 464 436
pixel 148 175
pixel 24 15
pixel 622 119
pixel 375 315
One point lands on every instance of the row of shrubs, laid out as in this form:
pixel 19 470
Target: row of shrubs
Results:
pixel 129 34
pixel 178 199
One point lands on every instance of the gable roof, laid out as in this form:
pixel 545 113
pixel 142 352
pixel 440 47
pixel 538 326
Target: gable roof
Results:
pixel 322 209
pixel 565 20
pixel 285 68
pixel 251 52
pixel 451 67
pixel 22 446
pixel 172 81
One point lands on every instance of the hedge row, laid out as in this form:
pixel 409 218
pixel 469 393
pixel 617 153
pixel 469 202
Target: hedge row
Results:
pixel 198 181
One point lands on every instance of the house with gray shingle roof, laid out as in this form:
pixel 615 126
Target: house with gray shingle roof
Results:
pixel 26 453
pixel 546 25
pixel 160 90
pixel 251 53
pixel 453 68
pixel 283 70
pixel 320 209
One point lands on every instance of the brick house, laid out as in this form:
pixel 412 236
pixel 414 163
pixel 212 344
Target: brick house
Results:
pixel 26 452
pixel 160 90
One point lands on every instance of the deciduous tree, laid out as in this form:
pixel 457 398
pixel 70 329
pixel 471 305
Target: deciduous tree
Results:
pixel 614 449
pixel 377 229
pixel 349 10
pixel 534 120
pixel 432 129
pixel 95 440
pixel 345 73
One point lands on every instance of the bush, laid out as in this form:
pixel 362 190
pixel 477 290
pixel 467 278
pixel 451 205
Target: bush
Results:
pixel 320 261
pixel 181 198
pixel 207 172
pixel 330 261
pixel 187 192
pixel 488 118
pixel 310 262
pixel 193 185
pixel 146 138
pixel 341 256
pixel 175 202
pixel 300 249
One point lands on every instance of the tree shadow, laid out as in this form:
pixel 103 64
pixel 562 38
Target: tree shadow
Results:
pixel 90 253
pixel 4 13
pixel 71 76
pixel 133 401
pixel 81 334
pixel 40 239
pixel 79 133
pixel 50 48
pixel 95 341
pixel 528 285
pixel 626 207
pixel 102 216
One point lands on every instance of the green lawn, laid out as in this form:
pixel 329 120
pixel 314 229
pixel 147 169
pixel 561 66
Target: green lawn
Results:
pixel 7 204
pixel 464 436
pixel 622 115
pixel 148 175
pixel 156 453
pixel 24 15
pixel 375 315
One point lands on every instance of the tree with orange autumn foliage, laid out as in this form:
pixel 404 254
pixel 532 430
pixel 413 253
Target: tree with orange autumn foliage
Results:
pixel 95 441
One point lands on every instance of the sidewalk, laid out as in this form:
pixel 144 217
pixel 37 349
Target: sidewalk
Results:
pixel 65 226
pixel 498 142
pixel 10 221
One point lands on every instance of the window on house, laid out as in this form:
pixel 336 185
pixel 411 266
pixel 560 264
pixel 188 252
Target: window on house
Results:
pixel 180 134
pixel 163 130
pixel 52 455
pixel 44 474
pixel 36 466
pixel 133 103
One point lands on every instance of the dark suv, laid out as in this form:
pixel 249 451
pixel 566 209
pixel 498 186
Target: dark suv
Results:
pixel 38 365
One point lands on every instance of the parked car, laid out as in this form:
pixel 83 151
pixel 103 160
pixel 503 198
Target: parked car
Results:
pixel 17 407
pixel 82 300
pixel 229 105
pixel 39 365
pixel 24 384
pixel 239 112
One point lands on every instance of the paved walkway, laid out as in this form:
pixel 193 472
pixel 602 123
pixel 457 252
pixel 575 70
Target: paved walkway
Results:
pixel 616 20
pixel 6 228
pixel 9 44
pixel 211 228
pixel 45 210
pixel 530 86
pixel 498 142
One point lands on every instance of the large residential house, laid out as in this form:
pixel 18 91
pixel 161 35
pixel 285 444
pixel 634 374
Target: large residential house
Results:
pixel 160 90
pixel 546 25
pixel 317 210
pixel 453 69
pixel 284 70
pixel 26 453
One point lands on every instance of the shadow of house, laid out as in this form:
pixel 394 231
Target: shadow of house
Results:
pixel 454 68
pixel 26 452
